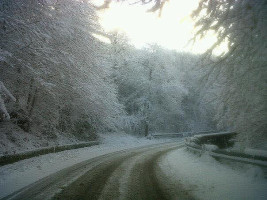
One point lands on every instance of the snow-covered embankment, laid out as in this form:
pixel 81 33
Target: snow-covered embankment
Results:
pixel 208 179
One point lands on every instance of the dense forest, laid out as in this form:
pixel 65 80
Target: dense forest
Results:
pixel 57 78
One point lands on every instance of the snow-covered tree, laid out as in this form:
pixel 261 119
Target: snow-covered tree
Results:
pixel 152 88
pixel 52 64
pixel 237 79
pixel 4 94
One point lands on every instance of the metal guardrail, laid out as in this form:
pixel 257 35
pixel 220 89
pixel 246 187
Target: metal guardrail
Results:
pixel 222 139
pixel 234 156
pixel 8 159
pixel 167 135
pixel 178 135
pixel 196 144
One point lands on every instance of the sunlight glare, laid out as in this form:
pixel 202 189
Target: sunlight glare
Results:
pixel 172 30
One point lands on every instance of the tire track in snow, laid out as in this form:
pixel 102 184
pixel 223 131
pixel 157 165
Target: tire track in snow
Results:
pixel 128 174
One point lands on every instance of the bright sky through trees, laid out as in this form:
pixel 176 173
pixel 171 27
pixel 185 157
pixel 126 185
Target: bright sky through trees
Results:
pixel 172 30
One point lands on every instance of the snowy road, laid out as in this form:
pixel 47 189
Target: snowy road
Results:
pixel 128 174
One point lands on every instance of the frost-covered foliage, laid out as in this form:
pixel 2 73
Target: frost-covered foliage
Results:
pixel 66 80
pixel 153 88
pixel 236 82
pixel 52 64
pixel 150 91
pixel 153 5
pixel 199 112
pixel 4 93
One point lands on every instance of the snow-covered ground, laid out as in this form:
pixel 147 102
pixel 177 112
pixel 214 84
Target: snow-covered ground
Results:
pixel 256 152
pixel 14 140
pixel 15 176
pixel 208 179
pixel 203 176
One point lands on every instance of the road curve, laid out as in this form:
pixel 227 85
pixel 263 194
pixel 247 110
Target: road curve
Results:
pixel 130 174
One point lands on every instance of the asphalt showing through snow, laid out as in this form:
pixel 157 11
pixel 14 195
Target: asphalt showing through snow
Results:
pixel 130 174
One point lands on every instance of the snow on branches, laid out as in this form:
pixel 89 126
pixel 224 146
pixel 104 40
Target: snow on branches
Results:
pixel 4 94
